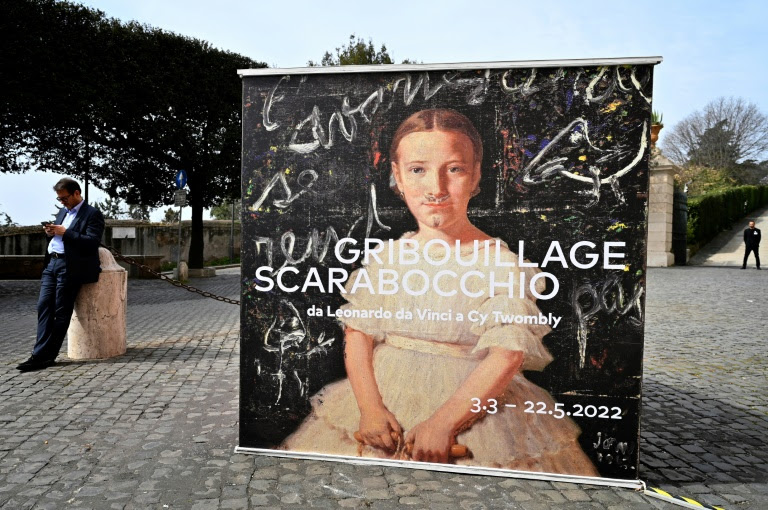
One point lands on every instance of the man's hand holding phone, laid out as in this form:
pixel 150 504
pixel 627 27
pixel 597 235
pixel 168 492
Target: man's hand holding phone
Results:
pixel 50 228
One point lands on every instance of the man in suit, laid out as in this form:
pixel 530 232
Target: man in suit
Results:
pixel 72 259
pixel 752 242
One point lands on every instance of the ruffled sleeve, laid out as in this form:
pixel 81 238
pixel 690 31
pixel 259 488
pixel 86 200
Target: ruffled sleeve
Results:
pixel 513 323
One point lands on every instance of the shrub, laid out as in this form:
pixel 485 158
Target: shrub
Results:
pixel 710 214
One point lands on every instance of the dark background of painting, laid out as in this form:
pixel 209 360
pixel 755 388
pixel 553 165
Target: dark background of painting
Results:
pixel 286 356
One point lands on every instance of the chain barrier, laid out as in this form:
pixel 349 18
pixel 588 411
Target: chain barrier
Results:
pixel 175 283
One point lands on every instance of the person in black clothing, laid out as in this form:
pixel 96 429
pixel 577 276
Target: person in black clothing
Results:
pixel 752 242
pixel 71 259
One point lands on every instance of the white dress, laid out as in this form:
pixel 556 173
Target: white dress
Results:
pixel 419 364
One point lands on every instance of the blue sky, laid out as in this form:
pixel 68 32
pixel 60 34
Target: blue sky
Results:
pixel 710 49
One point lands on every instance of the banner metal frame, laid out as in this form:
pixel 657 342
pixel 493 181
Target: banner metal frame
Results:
pixel 456 66
pixel 634 484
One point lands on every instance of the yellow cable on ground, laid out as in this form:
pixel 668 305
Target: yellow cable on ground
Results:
pixel 678 500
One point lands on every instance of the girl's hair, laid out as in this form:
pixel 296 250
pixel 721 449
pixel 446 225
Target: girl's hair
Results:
pixel 437 119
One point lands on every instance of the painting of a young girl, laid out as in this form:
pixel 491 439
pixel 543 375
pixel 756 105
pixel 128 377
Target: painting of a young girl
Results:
pixel 415 388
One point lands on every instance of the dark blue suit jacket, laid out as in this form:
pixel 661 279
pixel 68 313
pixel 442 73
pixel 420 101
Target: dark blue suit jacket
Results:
pixel 81 244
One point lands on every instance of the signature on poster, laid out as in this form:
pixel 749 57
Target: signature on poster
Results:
pixel 612 451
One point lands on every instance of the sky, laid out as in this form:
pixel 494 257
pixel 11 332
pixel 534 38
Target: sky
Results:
pixel 710 48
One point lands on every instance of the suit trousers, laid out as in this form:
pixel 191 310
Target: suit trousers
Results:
pixel 54 309
pixel 752 249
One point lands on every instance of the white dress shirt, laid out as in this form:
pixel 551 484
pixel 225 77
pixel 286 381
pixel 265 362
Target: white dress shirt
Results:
pixel 57 243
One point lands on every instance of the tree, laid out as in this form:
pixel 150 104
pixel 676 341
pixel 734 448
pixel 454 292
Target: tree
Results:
pixel 111 208
pixel 5 220
pixel 356 52
pixel 751 171
pixel 725 132
pixel 715 148
pixel 138 212
pixel 123 105
pixel 223 211
pixel 171 215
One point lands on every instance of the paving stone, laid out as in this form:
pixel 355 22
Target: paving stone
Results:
pixel 374 482
pixel 206 504
pixel 575 495
pixel 261 500
pixel 404 489
pixel 472 505
pixel 234 504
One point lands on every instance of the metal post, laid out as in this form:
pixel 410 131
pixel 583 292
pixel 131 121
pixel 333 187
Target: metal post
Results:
pixel 180 200
pixel 87 168
pixel 178 255
pixel 232 236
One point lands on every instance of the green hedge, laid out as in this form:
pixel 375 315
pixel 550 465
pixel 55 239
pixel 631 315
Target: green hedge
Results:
pixel 710 214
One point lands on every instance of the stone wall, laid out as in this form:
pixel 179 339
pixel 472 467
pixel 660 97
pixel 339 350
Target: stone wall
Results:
pixel 162 239
pixel 21 248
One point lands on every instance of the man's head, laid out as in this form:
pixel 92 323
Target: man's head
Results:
pixel 751 224
pixel 68 192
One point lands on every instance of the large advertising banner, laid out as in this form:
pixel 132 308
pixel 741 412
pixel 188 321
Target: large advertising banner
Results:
pixel 444 267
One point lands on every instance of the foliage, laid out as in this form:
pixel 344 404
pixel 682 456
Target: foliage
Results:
pixel 111 208
pixel 223 211
pixel 751 172
pixel 127 105
pixel 356 52
pixel 171 215
pixel 710 214
pixel 657 118
pixel 139 212
pixel 6 221
pixel 715 148
pixel 699 180
pixel 727 131
pixel 168 265
pixel 223 261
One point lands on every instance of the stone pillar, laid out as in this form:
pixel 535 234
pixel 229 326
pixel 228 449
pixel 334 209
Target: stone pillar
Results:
pixel 661 211
pixel 97 329
pixel 182 271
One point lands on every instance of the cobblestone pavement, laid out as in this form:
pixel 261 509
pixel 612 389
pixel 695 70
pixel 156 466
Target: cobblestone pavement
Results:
pixel 156 428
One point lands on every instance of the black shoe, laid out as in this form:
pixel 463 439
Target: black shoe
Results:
pixel 31 361
pixel 758 269
pixel 743 267
pixel 34 363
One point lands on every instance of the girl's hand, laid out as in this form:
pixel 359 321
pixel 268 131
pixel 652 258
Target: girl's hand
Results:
pixel 431 441
pixel 376 427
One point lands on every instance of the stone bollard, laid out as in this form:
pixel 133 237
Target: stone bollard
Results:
pixel 181 273
pixel 97 329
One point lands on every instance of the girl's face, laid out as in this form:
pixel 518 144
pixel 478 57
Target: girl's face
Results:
pixel 437 173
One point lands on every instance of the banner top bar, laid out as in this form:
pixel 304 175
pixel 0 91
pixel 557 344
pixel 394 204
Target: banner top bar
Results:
pixel 395 68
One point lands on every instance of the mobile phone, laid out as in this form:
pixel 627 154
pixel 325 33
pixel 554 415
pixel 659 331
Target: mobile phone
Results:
pixel 46 223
